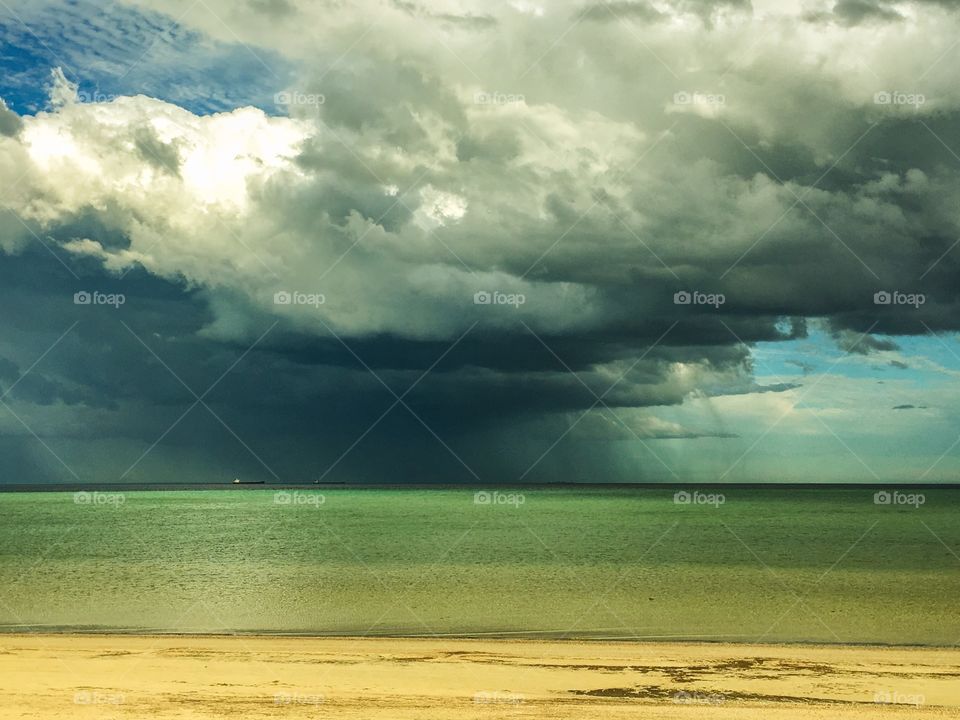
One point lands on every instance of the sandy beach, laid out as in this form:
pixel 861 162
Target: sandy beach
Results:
pixel 112 676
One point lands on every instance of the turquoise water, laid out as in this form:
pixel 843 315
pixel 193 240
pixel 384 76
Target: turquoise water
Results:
pixel 771 565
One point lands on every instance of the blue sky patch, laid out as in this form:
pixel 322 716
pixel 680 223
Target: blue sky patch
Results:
pixel 109 49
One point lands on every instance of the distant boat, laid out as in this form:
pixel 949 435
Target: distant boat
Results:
pixel 238 481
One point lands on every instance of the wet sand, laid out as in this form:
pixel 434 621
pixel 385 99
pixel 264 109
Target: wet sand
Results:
pixel 112 676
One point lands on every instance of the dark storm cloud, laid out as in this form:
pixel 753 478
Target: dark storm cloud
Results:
pixel 631 10
pixel 274 398
pixel 856 12
pixel 616 11
pixel 285 394
pixel 276 9
pixel 466 21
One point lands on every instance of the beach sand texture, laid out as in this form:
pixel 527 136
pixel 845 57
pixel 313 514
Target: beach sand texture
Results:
pixel 114 676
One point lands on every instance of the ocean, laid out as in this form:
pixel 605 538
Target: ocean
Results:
pixel 767 565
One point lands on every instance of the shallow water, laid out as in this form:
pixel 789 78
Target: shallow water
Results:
pixel 769 565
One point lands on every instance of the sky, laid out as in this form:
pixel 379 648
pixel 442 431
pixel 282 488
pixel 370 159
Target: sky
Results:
pixel 393 241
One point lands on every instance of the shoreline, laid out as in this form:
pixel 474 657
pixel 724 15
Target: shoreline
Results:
pixel 492 636
pixel 376 678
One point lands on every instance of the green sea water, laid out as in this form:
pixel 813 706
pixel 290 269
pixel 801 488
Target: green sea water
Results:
pixel 765 565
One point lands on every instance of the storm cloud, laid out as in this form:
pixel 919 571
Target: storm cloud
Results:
pixel 472 244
